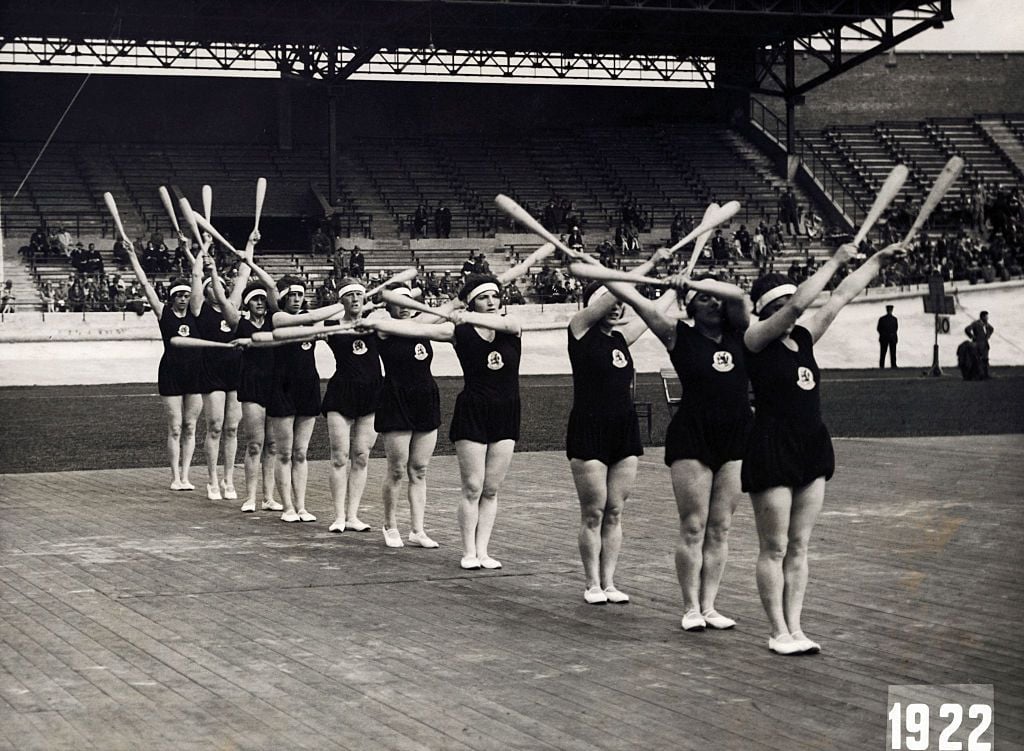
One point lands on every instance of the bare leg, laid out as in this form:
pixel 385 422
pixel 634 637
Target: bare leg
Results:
pixel 771 515
pixel 472 458
pixel 621 478
pixel 338 429
pixel 172 410
pixel 192 405
pixel 281 429
pixel 363 437
pixel 591 479
pixel 691 482
pixel 807 503
pixel 499 456
pixel 213 411
pixel 421 450
pixel 254 420
pixel 300 469
pixel 725 496
pixel 396 446
pixel 232 416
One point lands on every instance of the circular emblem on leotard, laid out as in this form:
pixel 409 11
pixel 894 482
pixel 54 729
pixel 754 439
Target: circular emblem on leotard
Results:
pixel 618 359
pixel 307 345
pixel 722 361
pixel 225 327
pixel 494 361
pixel 805 378
pixel 420 352
pixel 183 330
pixel 359 347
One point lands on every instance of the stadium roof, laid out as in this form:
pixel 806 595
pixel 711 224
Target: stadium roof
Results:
pixel 690 27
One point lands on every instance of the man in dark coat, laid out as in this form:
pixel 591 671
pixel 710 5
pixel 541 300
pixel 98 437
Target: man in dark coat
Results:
pixel 887 329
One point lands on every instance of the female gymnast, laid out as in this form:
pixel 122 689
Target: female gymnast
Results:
pixel 705 440
pixel 789 456
pixel 603 437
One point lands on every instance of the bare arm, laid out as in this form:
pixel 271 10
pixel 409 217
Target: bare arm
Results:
pixel 230 311
pixel 244 269
pixel 761 333
pixel 147 289
pixel 652 315
pixel 634 329
pixel 195 300
pixel 284 320
pixel 438 332
pixel 737 304
pixel 848 289
pixel 501 324
pixel 524 266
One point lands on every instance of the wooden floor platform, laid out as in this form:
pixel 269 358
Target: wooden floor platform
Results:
pixel 136 618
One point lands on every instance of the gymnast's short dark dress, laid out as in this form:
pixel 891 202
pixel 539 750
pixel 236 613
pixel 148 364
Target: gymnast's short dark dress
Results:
pixel 789 444
pixel 713 420
pixel 220 366
pixel 354 389
pixel 409 398
pixel 256 369
pixel 180 368
pixel 602 422
pixel 295 385
pixel 487 410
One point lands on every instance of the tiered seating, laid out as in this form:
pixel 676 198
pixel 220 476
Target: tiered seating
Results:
pixel 968 138
pixel 1007 134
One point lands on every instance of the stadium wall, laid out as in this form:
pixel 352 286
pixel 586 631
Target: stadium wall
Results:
pixel 912 86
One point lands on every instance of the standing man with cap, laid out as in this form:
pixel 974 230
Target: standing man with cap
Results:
pixel 887 328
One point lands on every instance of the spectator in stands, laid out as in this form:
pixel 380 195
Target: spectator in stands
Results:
pixel 551 218
pixel 790 216
pixel 606 252
pixel 512 295
pixel 48 296
pixel 420 220
pixel 631 241
pixel 720 247
pixel 63 238
pixel 356 263
pixel 157 238
pixel 120 253
pixel 93 260
pixel 7 298
pixel 978 201
pixel 443 221
pixel 744 242
pixel 572 217
pixel 760 247
pixel 575 238
pixel 321 243
pixel 468 266
pixel 76 295
pixel 979 332
pixel 327 293
pixel 480 265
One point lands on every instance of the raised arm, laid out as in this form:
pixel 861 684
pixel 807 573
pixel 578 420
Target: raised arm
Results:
pixel 651 313
pixel 195 300
pixel 634 329
pixel 282 319
pixel 147 289
pixel 244 270
pixel 735 300
pixel 761 333
pixel 524 266
pixel 848 289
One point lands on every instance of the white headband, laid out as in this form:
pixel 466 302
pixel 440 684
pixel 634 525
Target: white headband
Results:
pixel 401 291
pixel 291 288
pixel 353 287
pixel 179 288
pixel 772 295
pixel 253 293
pixel 207 282
pixel 479 290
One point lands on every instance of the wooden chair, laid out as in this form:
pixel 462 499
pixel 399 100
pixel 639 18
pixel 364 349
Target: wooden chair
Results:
pixel 673 389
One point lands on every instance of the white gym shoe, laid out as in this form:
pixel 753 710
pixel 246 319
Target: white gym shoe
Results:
pixel 271 506
pixel 784 644
pixel 714 619
pixel 807 646
pixel 290 516
pixel 595 596
pixel 305 516
pixel 248 507
pixel 420 539
pixel 693 621
pixel 615 596
pixel 393 538
pixel 488 562
pixel 212 492
pixel 470 562
pixel 228 491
